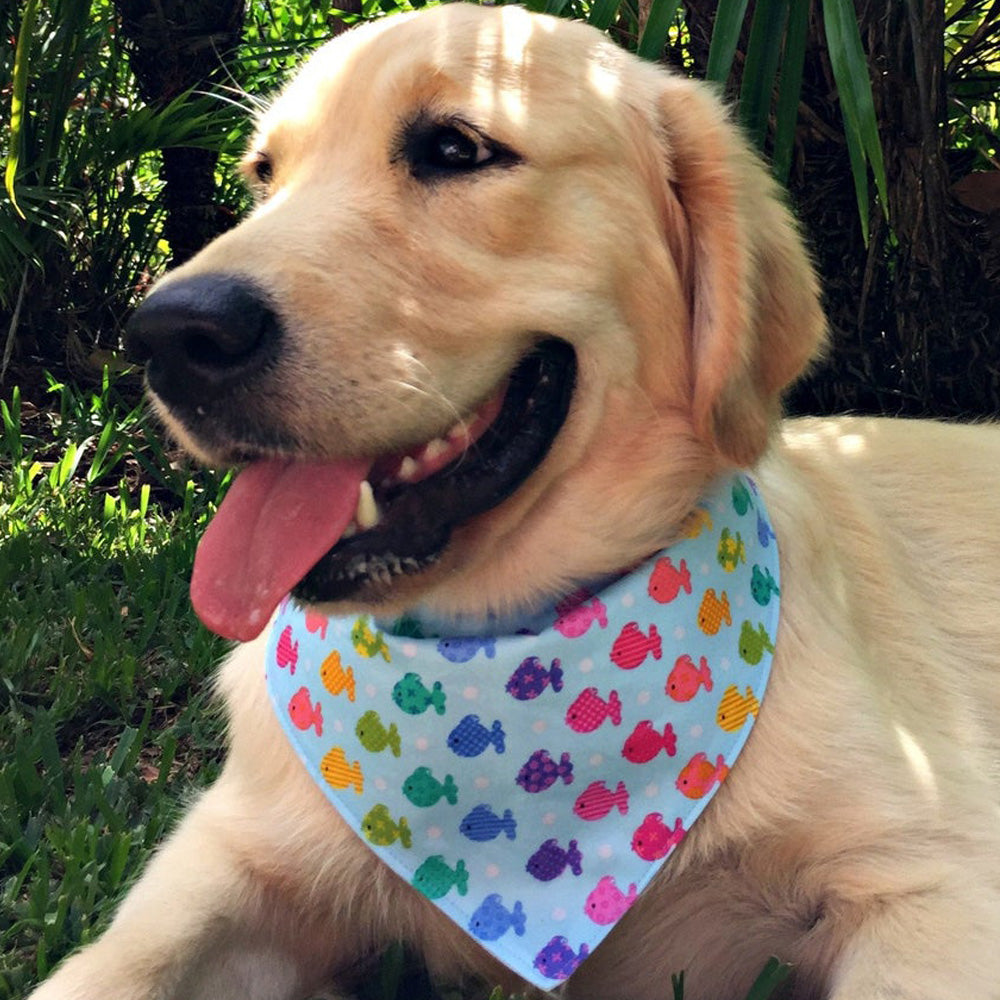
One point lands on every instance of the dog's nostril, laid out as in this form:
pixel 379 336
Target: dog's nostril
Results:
pixel 205 333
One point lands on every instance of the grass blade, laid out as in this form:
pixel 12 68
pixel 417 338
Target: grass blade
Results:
pixel 761 67
pixel 725 37
pixel 19 90
pixel 654 36
pixel 790 89
pixel 771 977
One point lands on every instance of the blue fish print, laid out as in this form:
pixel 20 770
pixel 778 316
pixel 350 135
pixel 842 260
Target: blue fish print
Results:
pixel 764 532
pixel 550 860
pixel 470 737
pixel 491 919
pixel 464 648
pixel 482 824
pixel 531 679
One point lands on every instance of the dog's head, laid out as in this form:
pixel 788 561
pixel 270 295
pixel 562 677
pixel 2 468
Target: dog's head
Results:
pixel 535 291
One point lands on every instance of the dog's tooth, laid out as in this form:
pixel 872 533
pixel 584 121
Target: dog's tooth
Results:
pixel 367 514
pixel 351 530
pixel 458 433
pixel 408 469
pixel 435 448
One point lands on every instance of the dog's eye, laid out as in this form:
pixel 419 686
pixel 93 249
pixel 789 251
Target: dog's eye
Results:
pixel 435 150
pixel 259 171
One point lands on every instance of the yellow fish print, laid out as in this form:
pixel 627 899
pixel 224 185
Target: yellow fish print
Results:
pixel 734 708
pixel 714 610
pixel 335 678
pixel 339 773
pixel 367 642
pixel 697 521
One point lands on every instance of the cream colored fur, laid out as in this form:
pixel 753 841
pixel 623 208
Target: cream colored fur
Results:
pixel 858 837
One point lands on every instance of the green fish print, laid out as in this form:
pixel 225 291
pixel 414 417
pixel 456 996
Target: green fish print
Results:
pixel 374 736
pixel 407 627
pixel 753 642
pixel 762 586
pixel 424 790
pixel 732 550
pixel 380 829
pixel 434 878
pixel 412 696
pixel 367 642
pixel 742 501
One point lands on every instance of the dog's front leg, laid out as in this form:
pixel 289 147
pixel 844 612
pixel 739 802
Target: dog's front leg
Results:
pixel 217 915
pixel 928 945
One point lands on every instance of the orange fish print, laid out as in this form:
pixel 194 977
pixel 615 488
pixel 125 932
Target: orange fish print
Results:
pixel 335 678
pixel 685 679
pixel 697 521
pixel 303 713
pixel 713 612
pixel 699 774
pixel 734 708
pixel 339 773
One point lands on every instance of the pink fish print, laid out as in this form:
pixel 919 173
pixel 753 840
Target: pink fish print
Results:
pixel 606 903
pixel 645 743
pixel 699 774
pixel 667 580
pixel 631 647
pixel 597 800
pixel 685 679
pixel 304 713
pixel 578 612
pixel 315 622
pixel 287 652
pixel 589 711
pixel 653 839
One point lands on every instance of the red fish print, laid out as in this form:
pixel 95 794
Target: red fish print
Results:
pixel 315 622
pixel 667 580
pixel 653 839
pixel 645 743
pixel 685 679
pixel 597 800
pixel 631 647
pixel 304 713
pixel 589 711
pixel 699 774
pixel 578 612
pixel 287 652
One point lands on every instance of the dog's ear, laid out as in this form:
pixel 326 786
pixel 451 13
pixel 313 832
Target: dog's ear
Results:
pixel 754 298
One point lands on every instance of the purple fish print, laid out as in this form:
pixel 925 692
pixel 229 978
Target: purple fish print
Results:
pixel 531 679
pixel 557 960
pixel 540 771
pixel 550 860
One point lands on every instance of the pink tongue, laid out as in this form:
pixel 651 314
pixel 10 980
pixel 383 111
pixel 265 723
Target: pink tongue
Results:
pixel 278 519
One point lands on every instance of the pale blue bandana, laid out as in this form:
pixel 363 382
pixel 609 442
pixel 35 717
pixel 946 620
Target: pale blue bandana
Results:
pixel 532 783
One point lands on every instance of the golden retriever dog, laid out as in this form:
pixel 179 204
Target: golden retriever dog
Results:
pixel 445 198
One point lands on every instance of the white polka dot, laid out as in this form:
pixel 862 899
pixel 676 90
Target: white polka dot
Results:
pixel 338 726
pixel 381 784
pixel 539 726
pixel 434 832
pixel 725 663
pixel 628 600
pixel 549 818
pixel 371 690
pixel 679 633
pixel 696 732
pixel 408 649
pixel 597 759
pixel 643 697
pixel 705 569
pixel 558 913
pixel 738 601
pixel 605 851
pixel 470 693
pixel 421 743
pixel 586 665
pixel 482 782
pixel 492 871
pixel 651 790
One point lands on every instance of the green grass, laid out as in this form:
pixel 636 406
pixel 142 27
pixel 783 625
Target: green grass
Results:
pixel 106 720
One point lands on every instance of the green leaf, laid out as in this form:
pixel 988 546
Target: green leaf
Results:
pixel 725 37
pixel 654 36
pixel 19 90
pixel 761 67
pixel 771 977
pixel 790 89
pixel 603 12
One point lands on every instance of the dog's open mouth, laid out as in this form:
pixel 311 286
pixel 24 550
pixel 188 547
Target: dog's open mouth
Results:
pixel 331 531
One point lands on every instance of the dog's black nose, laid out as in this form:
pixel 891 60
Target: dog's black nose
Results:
pixel 201 336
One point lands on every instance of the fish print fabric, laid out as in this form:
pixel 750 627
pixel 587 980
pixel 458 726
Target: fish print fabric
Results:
pixel 532 783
